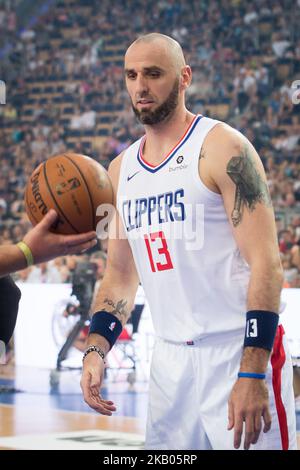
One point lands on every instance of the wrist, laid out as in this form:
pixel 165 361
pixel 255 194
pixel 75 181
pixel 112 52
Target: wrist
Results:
pixel 261 327
pixel 251 375
pixel 24 248
pixel 106 325
pixel 94 349
pixel 94 339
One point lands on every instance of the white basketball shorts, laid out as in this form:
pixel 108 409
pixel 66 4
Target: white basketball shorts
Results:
pixel 189 390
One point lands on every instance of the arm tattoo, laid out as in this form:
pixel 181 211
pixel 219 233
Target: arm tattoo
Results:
pixel 250 187
pixel 118 308
pixel 201 153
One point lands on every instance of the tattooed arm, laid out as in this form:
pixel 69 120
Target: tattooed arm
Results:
pixel 118 288
pixel 250 187
pixel 116 295
pixel 238 174
pixel 236 171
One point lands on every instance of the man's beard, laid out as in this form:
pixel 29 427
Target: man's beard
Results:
pixel 148 117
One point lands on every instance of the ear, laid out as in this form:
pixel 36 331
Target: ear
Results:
pixel 185 77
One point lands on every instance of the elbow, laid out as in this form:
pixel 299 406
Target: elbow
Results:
pixel 277 269
pixel 271 269
pixel 280 276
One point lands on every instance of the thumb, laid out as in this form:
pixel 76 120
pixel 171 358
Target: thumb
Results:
pixel 95 382
pixel 48 219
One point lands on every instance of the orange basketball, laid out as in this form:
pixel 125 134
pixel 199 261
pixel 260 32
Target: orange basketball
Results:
pixel 75 186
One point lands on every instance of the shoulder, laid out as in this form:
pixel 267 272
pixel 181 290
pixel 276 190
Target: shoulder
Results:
pixel 224 147
pixel 115 165
pixel 223 137
pixel 114 171
pixel 220 144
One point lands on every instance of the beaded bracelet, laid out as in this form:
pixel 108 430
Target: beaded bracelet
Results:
pixel 93 348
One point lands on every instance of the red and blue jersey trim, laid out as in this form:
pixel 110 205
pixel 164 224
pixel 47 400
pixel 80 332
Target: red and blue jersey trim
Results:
pixel 170 155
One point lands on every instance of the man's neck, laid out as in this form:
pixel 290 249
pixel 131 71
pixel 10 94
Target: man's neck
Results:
pixel 161 138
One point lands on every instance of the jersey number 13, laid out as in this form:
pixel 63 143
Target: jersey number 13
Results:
pixel 157 241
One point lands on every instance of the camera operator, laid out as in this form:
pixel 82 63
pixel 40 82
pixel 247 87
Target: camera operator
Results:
pixel 83 283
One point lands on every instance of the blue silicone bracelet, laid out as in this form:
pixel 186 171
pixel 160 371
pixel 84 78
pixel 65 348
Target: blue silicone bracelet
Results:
pixel 251 375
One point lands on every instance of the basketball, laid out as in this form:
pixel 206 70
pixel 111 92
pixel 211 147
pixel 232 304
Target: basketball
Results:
pixel 72 184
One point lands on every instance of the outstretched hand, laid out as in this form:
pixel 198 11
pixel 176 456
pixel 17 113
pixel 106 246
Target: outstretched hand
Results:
pixel 91 381
pixel 46 245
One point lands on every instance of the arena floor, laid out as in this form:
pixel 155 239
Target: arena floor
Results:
pixel 36 415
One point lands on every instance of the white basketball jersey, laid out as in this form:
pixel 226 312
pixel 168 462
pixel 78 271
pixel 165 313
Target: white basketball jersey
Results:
pixel 194 277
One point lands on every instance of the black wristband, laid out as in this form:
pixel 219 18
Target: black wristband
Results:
pixel 260 329
pixel 107 325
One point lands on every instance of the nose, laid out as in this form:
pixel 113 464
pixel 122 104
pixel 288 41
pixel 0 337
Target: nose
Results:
pixel 141 85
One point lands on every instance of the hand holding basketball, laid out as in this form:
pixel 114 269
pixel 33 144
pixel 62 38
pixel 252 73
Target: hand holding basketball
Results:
pixel 46 245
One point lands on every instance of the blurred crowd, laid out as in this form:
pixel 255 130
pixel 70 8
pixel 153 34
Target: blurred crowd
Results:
pixel 245 57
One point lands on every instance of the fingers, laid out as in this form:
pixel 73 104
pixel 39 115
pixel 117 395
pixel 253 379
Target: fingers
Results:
pixel 73 250
pixel 97 403
pixel 257 428
pixel 267 420
pixel 238 430
pixel 253 427
pixel 249 431
pixel 230 417
pixel 80 243
pixel 79 239
pixel 48 219
pixel 90 386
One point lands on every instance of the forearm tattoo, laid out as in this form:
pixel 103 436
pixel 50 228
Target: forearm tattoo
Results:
pixel 118 308
pixel 250 187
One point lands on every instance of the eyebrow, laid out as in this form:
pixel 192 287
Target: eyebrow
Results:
pixel 152 68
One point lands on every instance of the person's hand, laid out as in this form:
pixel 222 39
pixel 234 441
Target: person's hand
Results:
pixel 91 380
pixel 46 245
pixel 249 403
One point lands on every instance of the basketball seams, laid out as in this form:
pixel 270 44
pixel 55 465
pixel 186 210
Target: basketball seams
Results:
pixel 28 206
pixel 86 185
pixel 42 192
pixel 54 199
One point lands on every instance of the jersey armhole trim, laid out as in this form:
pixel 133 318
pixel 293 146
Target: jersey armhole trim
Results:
pixel 209 192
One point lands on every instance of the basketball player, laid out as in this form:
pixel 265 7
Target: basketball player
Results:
pixel 39 244
pixel 221 375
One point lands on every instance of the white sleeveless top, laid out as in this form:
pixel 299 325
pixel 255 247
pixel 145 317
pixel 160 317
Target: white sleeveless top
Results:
pixel 193 274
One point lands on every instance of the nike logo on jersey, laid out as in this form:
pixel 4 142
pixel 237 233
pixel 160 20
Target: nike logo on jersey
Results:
pixel 131 176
